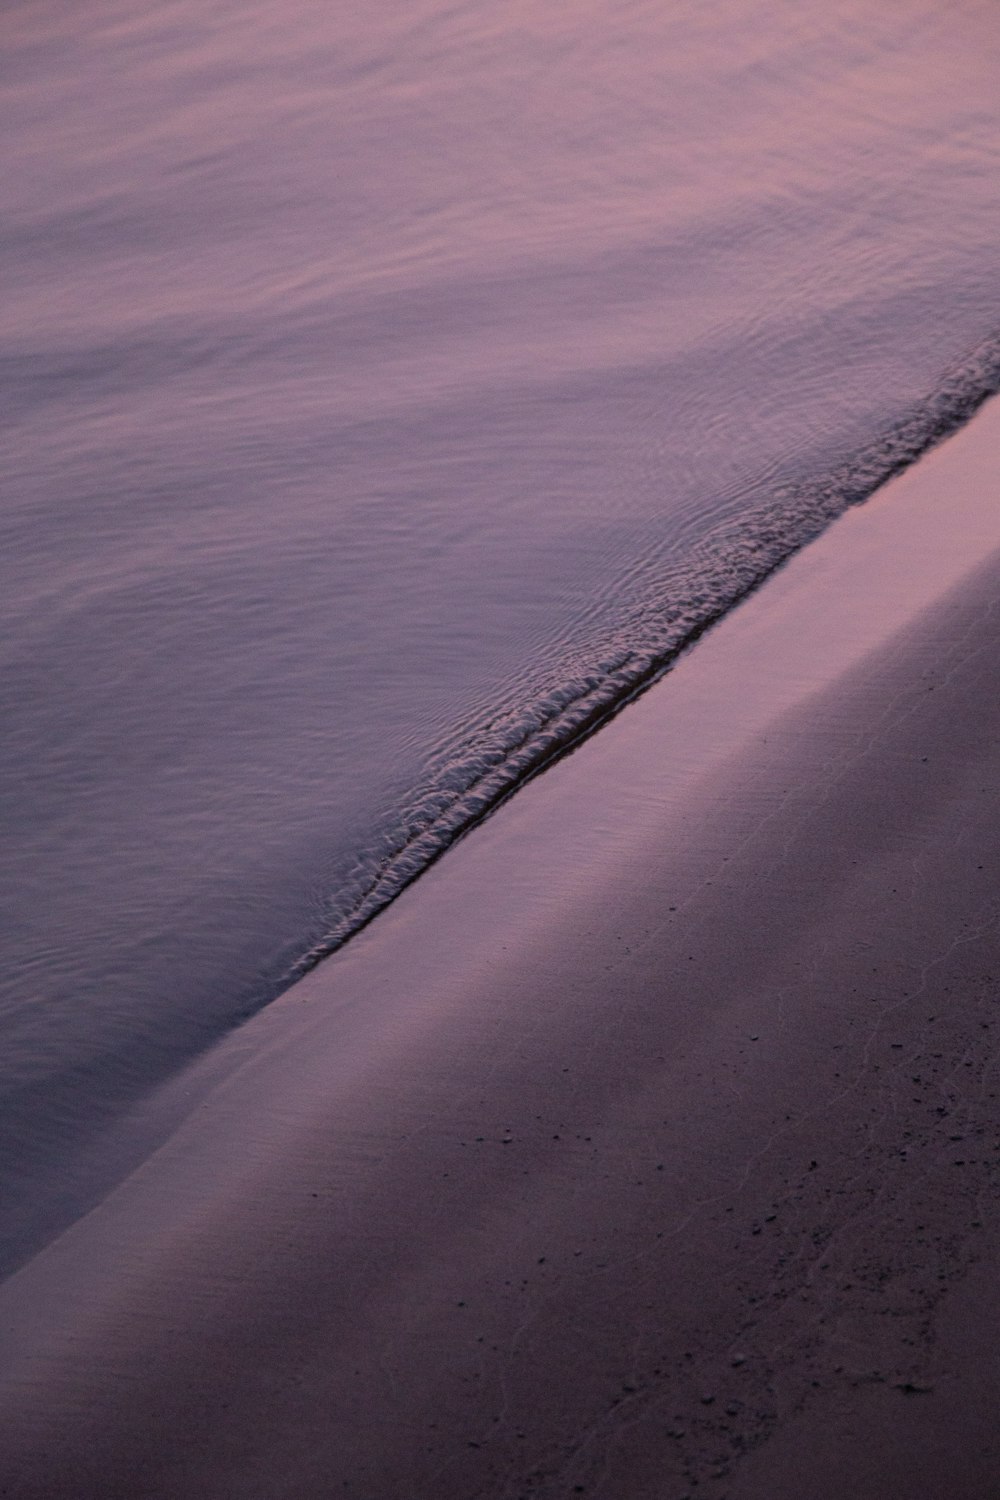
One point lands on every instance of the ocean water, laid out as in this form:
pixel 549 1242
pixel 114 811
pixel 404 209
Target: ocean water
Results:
pixel 388 391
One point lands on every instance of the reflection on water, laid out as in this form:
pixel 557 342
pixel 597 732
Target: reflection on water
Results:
pixel 379 382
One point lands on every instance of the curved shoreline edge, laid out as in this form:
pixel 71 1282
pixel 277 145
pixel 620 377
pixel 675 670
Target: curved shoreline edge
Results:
pixel 744 559
pixel 651 1138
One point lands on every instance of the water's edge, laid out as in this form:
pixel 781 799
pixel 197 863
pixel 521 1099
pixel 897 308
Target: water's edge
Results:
pixel 744 560
pixel 93 1168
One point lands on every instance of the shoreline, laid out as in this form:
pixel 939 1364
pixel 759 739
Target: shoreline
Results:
pixel 646 1145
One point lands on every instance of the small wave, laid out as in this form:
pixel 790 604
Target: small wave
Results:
pixel 472 779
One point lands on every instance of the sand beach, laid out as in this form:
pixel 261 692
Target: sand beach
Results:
pixel 646 1147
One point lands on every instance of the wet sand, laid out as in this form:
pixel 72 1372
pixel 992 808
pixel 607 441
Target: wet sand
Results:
pixel 647 1147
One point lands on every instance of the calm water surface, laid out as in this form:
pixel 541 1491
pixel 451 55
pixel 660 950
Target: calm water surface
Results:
pixel 386 390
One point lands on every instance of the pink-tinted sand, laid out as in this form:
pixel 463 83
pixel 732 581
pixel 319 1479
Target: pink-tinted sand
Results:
pixel 647 1147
